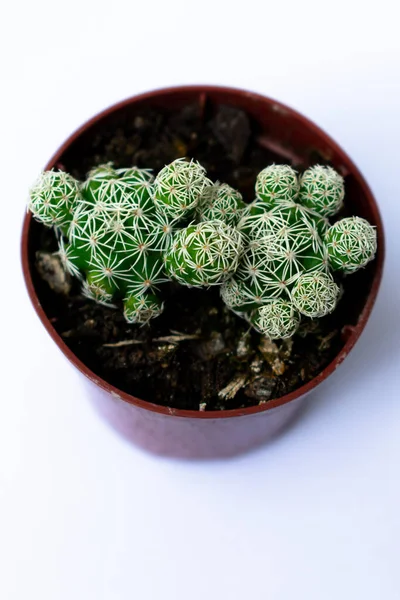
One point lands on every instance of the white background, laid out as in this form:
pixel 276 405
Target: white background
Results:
pixel 84 515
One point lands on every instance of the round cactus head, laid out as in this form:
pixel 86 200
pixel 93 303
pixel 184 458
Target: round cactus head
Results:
pixel 141 309
pixel 53 197
pixel 70 259
pixel 100 292
pixel 351 244
pixel 235 295
pixel 178 186
pixel 220 202
pixel 146 275
pixel 124 234
pixel 322 190
pixel 123 188
pixel 315 294
pixel 276 319
pixel 276 183
pixel 204 254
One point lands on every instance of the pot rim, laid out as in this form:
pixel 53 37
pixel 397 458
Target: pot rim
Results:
pixel 355 331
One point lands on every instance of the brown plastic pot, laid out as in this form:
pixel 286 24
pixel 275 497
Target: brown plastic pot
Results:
pixel 175 432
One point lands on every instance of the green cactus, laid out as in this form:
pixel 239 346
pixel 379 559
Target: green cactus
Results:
pixel 290 247
pixel 282 243
pixel 178 187
pixel 204 254
pixel 142 308
pixel 114 235
pixel 124 233
pixel 259 220
pixel 351 244
pixel 276 183
pixel 315 294
pixel 53 198
pixel 278 317
pixel 220 202
pixel 322 190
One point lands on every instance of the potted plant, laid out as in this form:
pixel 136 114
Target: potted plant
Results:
pixel 195 299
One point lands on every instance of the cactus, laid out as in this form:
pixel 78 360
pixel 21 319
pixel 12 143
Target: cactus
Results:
pixel 178 187
pixel 142 308
pixel 220 202
pixel 276 183
pixel 278 317
pixel 113 234
pixel 282 243
pixel 53 198
pixel 351 244
pixel 124 233
pixel 322 190
pixel 315 294
pixel 290 249
pixel 204 254
pixel 259 221
pixel 112 230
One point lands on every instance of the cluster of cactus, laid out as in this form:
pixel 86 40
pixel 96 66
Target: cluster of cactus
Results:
pixel 124 233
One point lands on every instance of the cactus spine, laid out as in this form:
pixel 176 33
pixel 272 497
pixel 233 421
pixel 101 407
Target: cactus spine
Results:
pixel 124 233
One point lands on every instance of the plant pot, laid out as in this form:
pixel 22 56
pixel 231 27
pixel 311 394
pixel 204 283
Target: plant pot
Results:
pixel 199 434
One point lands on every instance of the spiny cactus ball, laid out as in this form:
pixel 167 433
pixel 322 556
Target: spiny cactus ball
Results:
pixel 53 198
pixel 275 183
pixel 204 254
pixel 351 244
pixel 283 242
pixel 234 294
pixel 322 190
pixel 277 317
pixel 146 274
pixel 124 233
pixel 259 220
pixel 178 187
pixel 102 294
pixel 315 294
pixel 117 188
pixel 141 309
pixel 220 202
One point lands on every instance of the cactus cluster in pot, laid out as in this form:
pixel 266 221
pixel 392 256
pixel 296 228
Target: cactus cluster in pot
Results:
pixel 124 233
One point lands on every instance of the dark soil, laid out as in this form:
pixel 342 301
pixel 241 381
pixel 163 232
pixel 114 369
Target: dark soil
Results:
pixel 197 355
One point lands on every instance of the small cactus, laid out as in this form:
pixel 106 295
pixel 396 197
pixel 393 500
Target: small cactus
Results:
pixel 204 254
pixel 276 183
pixel 124 233
pixel 142 308
pixel 351 244
pixel 113 234
pixel 290 247
pixel 53 198
pixel 220 202
pixel 315 294
pixel 322 190
pixel 277 317
pixel 178 187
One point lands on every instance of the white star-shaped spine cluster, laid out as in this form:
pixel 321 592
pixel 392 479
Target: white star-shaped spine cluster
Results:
pixel 124 234
pixel 322 190
pixel 178 187
pixel 220 202
pixel 278 317
pixel 204 254
pixel 276 183
pixel 351 244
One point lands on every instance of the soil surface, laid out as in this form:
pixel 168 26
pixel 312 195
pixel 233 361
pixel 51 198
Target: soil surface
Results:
pixel 197 355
